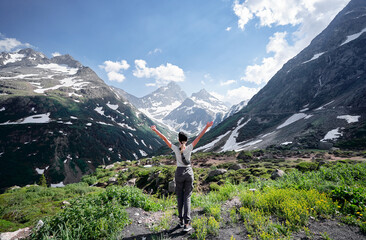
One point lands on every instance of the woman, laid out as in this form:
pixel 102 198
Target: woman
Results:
pixel 183 174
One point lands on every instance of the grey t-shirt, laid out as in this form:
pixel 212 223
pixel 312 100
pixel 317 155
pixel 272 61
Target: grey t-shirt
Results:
pixel 186 152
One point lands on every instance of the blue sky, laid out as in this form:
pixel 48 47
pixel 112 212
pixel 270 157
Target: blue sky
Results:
pixel 230 48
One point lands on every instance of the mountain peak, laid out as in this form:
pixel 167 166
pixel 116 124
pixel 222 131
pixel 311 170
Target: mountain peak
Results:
pixel 31 53
pixel 67 60
pixel 203 94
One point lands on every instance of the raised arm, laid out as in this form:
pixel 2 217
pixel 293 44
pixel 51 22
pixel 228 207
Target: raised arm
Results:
pixel 161 136
pixel 209 124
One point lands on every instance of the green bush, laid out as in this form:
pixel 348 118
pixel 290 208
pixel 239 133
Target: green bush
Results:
pixel 245 156
pixel 307 166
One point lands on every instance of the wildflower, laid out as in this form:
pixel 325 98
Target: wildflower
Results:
pixel 339 206
pixel 357 212
pixel 361 214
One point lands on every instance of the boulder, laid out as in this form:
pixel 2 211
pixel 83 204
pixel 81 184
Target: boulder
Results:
pixel 216 172
pixel 19 234
pixel 131 182
pixel 277 174
pixel 235 166
pixel 171 186
pixel 112 180
pixel 109 166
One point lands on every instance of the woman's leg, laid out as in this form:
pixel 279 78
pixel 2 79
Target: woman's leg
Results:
pixel 179 190
pixel 188 188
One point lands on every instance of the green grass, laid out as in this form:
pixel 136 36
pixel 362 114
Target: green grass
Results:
pixel 276 209
pixel 24 207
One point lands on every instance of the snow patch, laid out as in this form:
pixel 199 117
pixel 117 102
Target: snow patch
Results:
pixel 211 144
pixel 61 184
pixel 39 171
pixel 58 68
pixel 143 153
pixel 2 109
pixel 124 125
pixel 292 119
pixel 88 124
pixel 252 143
pixel 113 107
pixel 353 37
pixel 314 57
pixel 322 107
pixel 135 155
pixel 231 143
pixel 39 118
pixel 286 143
pixel 99 110
pixel 349 118
pixel 332 134
pixel 103 123
pixel 14 57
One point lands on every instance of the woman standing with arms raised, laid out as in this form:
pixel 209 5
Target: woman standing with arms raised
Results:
pixel 184 174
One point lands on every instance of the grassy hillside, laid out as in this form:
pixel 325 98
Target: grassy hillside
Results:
pixel 314 188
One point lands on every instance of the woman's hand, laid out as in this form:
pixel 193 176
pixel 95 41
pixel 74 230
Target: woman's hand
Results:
pixel 209 124
pixel 153 127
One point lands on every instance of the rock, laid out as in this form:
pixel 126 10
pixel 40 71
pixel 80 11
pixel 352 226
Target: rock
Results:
pixel 103 184
pixel 277 174
pixel 147 166
pixel 109 166
pixel 112 180
pixel 14 187
pixel 41 223
pixel 139 221
pixel 131 182
pixel 236 166
pixel 252 189
pixel 19 234
pixel 216 172
pixel 124 170
pixel 325 145
pixel 137 214
pixel 171 186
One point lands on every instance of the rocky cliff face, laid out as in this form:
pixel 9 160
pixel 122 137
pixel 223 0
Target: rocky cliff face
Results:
pixel 59 118
pixel 318 96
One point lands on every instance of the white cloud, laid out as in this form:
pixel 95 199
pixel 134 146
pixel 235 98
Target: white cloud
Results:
pixel 162 74
pixel 115 76
pixel 228 29
pixel 9 44
pixel 56 54
pixel 155 51
pixel 235 96
pixel 310 17
pixel 226 83
pixel 114 70
pixel 150 84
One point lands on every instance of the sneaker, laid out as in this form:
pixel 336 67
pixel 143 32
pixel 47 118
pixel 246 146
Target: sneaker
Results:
pixel 187 227
pixel 181 224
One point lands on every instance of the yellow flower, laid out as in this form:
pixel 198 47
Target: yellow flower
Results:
pixel 361 214
pixel 357 212
pixel 339 206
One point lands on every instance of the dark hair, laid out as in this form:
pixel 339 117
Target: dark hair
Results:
pixel 182 137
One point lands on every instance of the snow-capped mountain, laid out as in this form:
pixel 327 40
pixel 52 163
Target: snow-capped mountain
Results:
pixel 159 103
pixel 317 99
pixel 235 109
pixel 58 116
pixel 170 107
pixel 192 115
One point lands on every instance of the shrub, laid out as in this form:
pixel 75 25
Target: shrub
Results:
pixel 245 156
pixel 307 166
